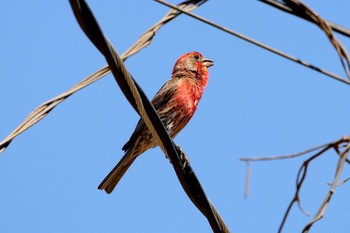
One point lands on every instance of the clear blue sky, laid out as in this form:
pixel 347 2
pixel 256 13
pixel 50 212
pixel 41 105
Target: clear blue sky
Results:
pixel 256 104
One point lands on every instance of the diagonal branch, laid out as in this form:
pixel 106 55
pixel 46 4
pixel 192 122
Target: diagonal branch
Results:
pixel 145 39
pixel 337 28
pixel 142 105
pixel 299 182
pixel 324 205
pixel 302 9
pixel 337 145
pixel 259 44
pixel 278 157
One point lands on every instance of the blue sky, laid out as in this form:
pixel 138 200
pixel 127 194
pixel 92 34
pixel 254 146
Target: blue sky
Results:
pixel 256 104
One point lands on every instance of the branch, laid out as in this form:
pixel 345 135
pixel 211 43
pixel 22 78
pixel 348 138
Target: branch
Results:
pixel 301 176
pixel 299 182
pixel 259 44
pixel 145 39
pixel 324 205
pixel 302 9
pixel 337 28
pixel 278 157
pixel 142 105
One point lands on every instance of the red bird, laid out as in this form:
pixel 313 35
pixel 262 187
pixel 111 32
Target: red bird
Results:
pixel 175 103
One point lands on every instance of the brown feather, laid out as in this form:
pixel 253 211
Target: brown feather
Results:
pixel 175 103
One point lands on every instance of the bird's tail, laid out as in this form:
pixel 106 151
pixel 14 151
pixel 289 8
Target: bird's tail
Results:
pixel 112 179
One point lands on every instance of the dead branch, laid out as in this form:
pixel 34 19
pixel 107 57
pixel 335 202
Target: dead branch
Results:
pixel 308 13
pixel 144 108
pixel 145 39
pixel 261 45
pixel 337 145
pixel 325 203
pixel 336 27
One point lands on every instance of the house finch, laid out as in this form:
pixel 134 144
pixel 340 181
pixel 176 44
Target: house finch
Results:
pixel 175 104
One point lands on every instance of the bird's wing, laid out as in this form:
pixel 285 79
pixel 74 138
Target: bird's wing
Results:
pixel 139 128
pixel 159 100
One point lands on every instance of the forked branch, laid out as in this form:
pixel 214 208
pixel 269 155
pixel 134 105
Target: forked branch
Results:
pixel 341 147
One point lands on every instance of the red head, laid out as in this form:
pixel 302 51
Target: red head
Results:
pixel 193 62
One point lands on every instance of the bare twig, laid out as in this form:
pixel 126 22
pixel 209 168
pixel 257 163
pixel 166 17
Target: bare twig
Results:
pixel 324 205
pixel 40 112
pixel 261 45
pixel 145 39
pixel 337 28
pixel 144 108
pixel 301 176
pixel 247 180
pixel 308 13
pixel 299 182
pixel 278 157
pixel 340 182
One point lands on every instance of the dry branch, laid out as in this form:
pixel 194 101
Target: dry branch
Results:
pixel 145 39
pixel 337 28
pixel 308 13
pixel 141 43
pixel 339 169
pixel 261 45
pixel 337 145
pixel 143 106
pixel 298 8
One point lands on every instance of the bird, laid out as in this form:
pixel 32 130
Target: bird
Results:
pixel 175 102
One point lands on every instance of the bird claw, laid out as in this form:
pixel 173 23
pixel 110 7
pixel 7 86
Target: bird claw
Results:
pixel 183 157
pixel 184 160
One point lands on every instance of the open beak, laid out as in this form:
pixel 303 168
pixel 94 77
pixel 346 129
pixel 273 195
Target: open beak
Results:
pixel 207 62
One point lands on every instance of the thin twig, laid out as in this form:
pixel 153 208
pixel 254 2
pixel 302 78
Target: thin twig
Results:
pixel 340 182
pixel 299 182
pixel 261 45
pixel 337 28
pixel 307 12
pixel 278 157
pixel 144 108
pixel 325 203
pixel 247 180
pixel 145 39
pixel 301 176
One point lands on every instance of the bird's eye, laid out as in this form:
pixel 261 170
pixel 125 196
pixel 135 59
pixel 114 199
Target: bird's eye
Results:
pixel 196 57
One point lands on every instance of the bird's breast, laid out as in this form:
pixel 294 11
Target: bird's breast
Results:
pixel 188 96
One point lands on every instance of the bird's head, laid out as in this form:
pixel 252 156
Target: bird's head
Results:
pixel 194 62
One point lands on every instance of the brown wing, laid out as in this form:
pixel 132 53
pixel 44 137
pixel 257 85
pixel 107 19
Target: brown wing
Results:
pixel 159 102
